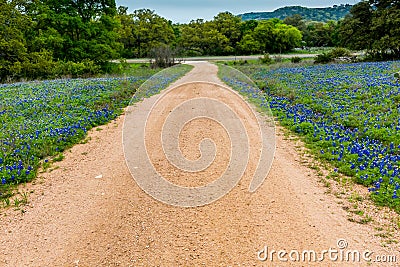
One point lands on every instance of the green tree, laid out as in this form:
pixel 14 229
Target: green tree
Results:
pixel 228 25
pixel 126 37
pixel 297 21
pixel 17 60
pixel 145 30
pixel 320 34
pixel 286 38
pixel 274 36
pixel 263 34
pixel 386 29
pixel 214 42
pixel 203 38
pixel 373 25
pixel 355 30
pixel 75 30
pixel 13 49
pixel 247 26
pixel 248 45
pixel 87 10
pixel 192 36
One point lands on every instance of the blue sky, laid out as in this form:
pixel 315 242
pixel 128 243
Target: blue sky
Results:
pixel 186 10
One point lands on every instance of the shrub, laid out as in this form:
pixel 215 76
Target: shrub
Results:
pixel 34 65
pixel 333 54
pixel 323 58
pixel 296 59
pixel 339 52
pixel 266 59
pixel 278 59
pixel 240 62
pixel 80 69
pixel 162 56
pixel 40 65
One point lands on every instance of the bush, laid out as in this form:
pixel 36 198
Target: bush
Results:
pixel 162 56
pixel 40 65
pixel 266 59
pixel 74 69
pixel 336 53
pixel 240 62
pixel 296 59
pixel 339 52
pixel 278 59
pixel 323 58
pixel 34 65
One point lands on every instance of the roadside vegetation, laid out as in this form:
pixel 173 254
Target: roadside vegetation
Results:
pixel 39 120
pixel 347 115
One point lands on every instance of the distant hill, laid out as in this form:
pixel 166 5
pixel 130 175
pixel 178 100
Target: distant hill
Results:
pixel 315 14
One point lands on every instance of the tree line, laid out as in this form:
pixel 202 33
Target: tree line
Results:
pixel 226 34
pixel 373 25
pixel 51 38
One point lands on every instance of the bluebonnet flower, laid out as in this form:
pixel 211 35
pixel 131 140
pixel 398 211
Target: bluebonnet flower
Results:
pixel 353 120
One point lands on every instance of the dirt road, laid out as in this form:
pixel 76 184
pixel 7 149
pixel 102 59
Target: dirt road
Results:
pixel 75 219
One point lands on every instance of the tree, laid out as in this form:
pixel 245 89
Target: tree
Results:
pixel 296 21
pixel 263 34
pixel 75 30
pixel 13 49
pixel 85 9
pixel 248 26
pixel 228 25
pixel 142 31
pixel 386 29
pixel 274 36
pixel 286 37
pixel 192 36
pixel 385 4
pixel 163 56
pixel 248 45
pixel 354 31
pixel 319 34
pixel 125 32
pixel 373 25
pixel 203 38
pixel 214 42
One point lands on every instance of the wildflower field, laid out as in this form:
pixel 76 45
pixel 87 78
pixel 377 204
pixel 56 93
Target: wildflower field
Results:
pixel 39 120
pixel 347 114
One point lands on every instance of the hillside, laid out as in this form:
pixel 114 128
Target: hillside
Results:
pixel 315 14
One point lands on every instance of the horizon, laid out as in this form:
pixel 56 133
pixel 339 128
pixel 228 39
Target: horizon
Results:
pixel 183 11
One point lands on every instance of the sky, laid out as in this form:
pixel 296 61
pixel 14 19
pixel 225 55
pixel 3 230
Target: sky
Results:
pixel 184 11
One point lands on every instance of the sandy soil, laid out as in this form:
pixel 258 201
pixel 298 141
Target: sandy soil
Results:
pixel 75 219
